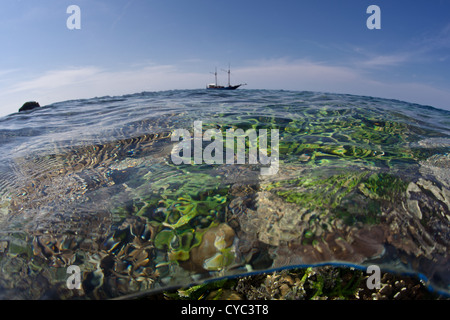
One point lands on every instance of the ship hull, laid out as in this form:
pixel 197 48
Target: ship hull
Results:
pixel 223 88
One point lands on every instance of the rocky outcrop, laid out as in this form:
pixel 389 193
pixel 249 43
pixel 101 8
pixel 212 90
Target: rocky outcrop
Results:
pixel 30 105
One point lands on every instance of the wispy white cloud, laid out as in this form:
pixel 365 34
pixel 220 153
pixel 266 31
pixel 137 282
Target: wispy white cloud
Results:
pixel 295 75
pixel 438 40
pixel 7 72
pixel 55 79
pixel 385 60
pixel 91 81
pixel 316 76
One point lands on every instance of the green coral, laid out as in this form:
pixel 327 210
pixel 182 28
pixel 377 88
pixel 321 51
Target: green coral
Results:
pixel 184 221
pixel 317 135
pixel 202 291
pixel 188 208
pixel 181 203
pixel 383 186
pixel 334 283
pixel 178 243
pixel 351 196
pixel 316 192
pixel 312 283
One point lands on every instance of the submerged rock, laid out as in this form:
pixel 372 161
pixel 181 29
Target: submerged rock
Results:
pixel 214 252
pixel 344 215
pixel 30 105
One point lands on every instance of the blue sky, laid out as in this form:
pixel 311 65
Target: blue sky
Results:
pixel 143 45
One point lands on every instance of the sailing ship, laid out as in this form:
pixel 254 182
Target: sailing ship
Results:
pixel 229 87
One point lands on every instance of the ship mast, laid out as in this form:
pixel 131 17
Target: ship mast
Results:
pixel 229 72
pixel 215 74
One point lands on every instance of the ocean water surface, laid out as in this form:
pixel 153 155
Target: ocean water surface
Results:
pixel 91 184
